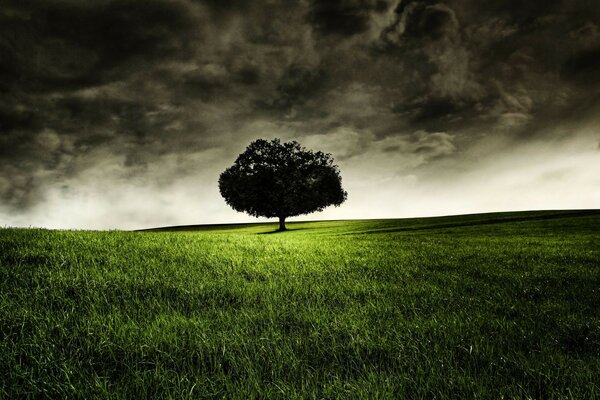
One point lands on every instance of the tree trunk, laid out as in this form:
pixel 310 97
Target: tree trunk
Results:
pixel 281 224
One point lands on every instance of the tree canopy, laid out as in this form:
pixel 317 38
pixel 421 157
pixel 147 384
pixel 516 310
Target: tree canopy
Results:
pixel 277 179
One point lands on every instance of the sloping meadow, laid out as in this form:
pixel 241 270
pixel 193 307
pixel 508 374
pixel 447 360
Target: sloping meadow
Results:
pixel 487 305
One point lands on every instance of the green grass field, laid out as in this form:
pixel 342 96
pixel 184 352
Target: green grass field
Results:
pixel 482 306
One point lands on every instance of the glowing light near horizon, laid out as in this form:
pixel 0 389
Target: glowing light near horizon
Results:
pixel 524 180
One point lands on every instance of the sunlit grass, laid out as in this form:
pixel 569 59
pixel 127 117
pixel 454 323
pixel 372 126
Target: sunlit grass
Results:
pixel 488 306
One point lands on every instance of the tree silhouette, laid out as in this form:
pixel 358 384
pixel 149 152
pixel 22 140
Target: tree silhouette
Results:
pixel 279 180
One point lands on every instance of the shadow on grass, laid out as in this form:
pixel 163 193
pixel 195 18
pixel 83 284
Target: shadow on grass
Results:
pixel 491 221
pixel 278 231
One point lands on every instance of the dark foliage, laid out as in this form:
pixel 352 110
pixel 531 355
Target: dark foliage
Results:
pixel 275 179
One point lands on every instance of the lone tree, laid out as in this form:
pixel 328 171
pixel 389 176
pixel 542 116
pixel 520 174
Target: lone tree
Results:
pixel 275 179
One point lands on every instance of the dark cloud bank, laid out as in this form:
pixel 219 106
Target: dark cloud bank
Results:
pixel 130 108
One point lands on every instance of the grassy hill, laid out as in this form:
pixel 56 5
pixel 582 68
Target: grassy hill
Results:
pixel 503 305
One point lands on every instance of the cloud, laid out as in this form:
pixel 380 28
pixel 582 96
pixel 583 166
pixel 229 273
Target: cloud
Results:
pixel 296 86
pixel 58 44
pixel 344 17
pixel 421 20
pixel 399 91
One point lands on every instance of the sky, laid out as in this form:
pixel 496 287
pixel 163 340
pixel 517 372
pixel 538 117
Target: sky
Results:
pixel 121 114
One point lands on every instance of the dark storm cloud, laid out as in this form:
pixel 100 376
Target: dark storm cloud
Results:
pixel 422 20
pixel 583 66
pixel 295 87
pixel 133 80
pixel 474 68
pixel 343 17
pixel 67 45
pixel 72 71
